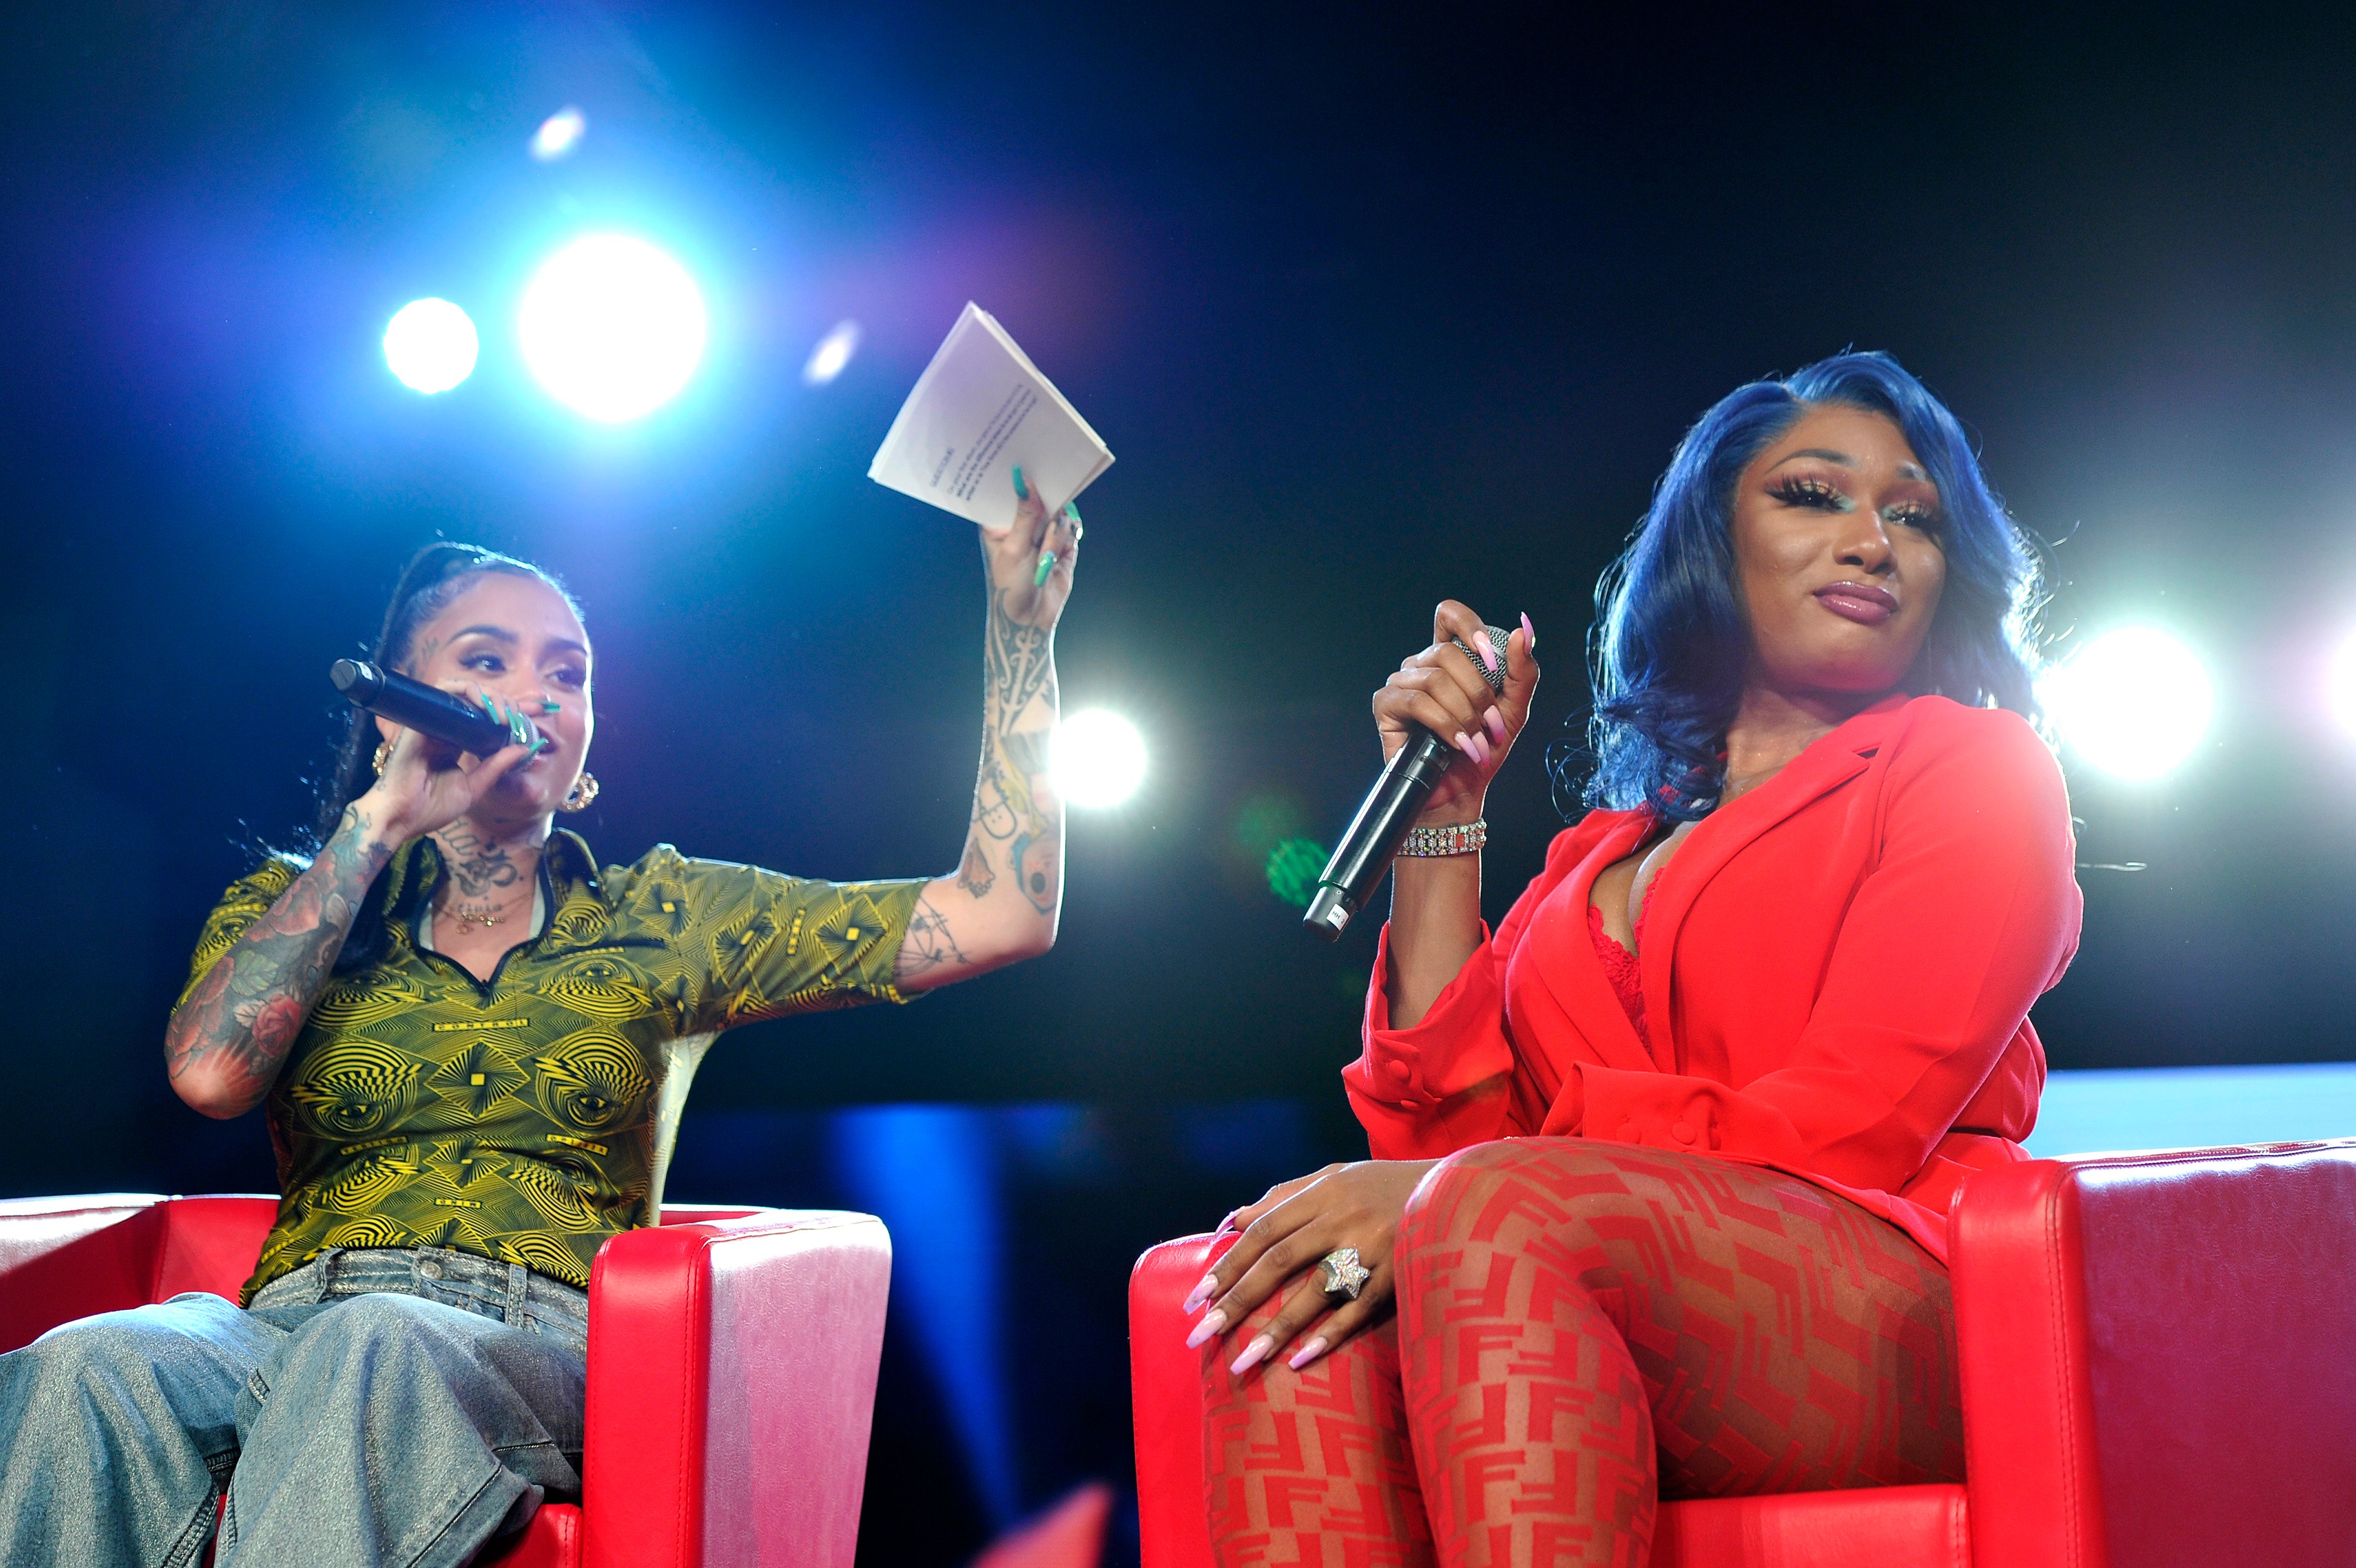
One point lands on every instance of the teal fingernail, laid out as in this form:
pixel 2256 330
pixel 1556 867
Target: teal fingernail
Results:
pixel 1046 564
pixel 1071 512
pixel 548 707
pixel 486 704
pixel 1022 490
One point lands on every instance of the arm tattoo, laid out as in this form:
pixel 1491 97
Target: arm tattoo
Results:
pixel 1018 661
pixel 927 946
pixel 973 872
pixel 241 1019
pixel 1019 676
pixel 1037 849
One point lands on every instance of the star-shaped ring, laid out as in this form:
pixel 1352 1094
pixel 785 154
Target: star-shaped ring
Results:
pixel 1342 1273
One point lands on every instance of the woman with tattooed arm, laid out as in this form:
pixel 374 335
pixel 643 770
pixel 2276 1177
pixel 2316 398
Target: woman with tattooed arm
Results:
pixel 473 1042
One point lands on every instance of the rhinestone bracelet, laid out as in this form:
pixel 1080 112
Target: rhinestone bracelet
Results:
pixel 1448 838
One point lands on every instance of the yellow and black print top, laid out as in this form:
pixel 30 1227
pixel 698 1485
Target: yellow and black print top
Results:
pixel 528 1117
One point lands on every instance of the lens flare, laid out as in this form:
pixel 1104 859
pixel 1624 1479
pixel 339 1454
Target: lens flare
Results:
pixel 833 353
pixel 558 134
pixel 1293 868
pixel 612 328
pixel 431 345
pixel 1098 758
pixel 2135 702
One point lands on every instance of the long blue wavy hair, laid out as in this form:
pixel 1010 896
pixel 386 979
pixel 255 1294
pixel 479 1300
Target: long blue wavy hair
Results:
pixel 1673 640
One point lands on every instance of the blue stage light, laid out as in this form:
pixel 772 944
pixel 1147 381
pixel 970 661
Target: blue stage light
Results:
pixel 934 1174
pixel 431 345
pixel 612 326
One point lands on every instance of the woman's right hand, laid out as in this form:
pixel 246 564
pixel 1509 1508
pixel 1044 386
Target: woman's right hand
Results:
pixel 1441 690
pixel 428 784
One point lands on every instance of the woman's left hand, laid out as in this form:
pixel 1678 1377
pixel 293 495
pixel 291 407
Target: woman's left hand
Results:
pixel 1029 596
pixel 1285 1235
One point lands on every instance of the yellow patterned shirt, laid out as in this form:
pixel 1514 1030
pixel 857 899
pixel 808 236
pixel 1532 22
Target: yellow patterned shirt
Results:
pixel 528 1117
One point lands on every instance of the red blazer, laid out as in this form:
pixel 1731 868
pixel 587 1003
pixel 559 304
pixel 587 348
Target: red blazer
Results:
pixel 1837 969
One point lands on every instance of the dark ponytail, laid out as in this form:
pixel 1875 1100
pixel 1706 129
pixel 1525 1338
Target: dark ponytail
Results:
pixel 434 575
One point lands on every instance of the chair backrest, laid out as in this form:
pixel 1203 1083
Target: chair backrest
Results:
pixel 2157 1358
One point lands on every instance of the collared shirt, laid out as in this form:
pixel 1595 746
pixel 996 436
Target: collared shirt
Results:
pixel 527 1117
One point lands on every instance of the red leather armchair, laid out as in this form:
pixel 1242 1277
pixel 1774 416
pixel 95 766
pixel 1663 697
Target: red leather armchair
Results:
pixel 731 1363
pixel 2158 1361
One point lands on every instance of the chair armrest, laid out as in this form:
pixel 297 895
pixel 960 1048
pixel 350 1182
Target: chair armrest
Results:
pixel 2154 1357
pixel 63 1258
pixel 1166 1401
pixel 732 1380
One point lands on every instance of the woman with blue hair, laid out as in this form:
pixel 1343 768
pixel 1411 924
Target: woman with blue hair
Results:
pixel 1662 1165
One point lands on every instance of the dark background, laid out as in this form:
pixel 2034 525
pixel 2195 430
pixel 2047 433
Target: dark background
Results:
pixel 1372 310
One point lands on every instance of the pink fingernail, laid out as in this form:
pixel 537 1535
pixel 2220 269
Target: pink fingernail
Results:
pixel 1465 744
pixel 1496 722
pixel 1480 748
pixel 1253 1354
pixel 1308 1352
pixel 1200 1293
pixel 1213 1323
pixel 1529 634
pixel 1479 645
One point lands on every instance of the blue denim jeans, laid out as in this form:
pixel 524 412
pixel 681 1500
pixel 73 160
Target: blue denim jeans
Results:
pixel 378 1406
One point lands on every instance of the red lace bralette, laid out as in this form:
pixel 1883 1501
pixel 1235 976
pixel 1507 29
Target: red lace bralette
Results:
pixel 1621 967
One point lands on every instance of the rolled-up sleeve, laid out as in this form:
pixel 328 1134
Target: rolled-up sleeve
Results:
pixel 1447 1083
pixel 1444 1084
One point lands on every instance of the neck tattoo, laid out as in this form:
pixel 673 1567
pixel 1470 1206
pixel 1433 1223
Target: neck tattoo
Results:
pixel 481 871
pixel 478 865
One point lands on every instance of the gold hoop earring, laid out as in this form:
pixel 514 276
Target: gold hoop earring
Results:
pixel 383 755
pixel 584 790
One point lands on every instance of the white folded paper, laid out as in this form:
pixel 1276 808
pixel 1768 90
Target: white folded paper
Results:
pixel 981 409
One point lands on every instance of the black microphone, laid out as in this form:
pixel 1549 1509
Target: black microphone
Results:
pixel 1389 812
pixel 428 710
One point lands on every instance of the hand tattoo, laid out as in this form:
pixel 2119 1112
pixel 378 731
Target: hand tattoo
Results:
pixel 243 1016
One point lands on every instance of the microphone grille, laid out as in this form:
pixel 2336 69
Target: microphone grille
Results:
pixel 1496 677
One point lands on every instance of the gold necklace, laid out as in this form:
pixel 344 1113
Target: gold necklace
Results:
pixel 490 916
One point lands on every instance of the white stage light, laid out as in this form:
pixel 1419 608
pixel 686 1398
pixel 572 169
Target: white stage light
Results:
pixel 612 326
pixel 558 135
pixel 2339 684
pixel 431 345
pixel 833 353
pixel 1096 758
pixel 2134 702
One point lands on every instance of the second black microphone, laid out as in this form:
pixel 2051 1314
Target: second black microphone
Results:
pixel 1389 812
